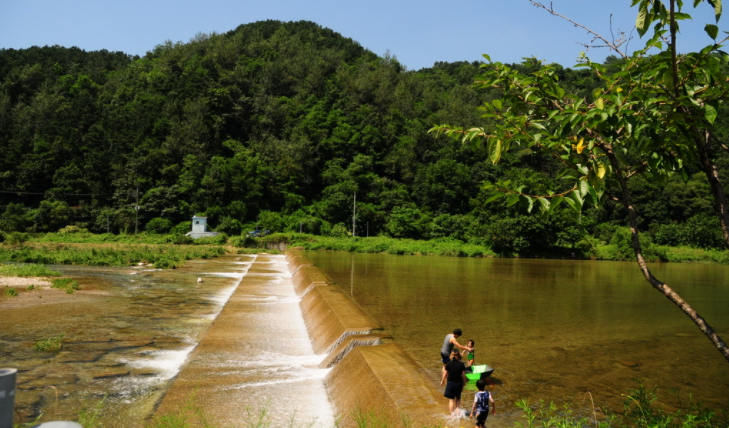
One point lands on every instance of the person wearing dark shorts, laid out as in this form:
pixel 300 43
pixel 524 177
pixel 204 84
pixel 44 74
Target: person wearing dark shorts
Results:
pixel 481 403
pixel 454 378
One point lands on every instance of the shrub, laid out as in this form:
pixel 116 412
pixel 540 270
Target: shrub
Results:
pixel 15 218
pixel 339 231
pixel 182 228
pixel 159 226
pixel 668 234
pixel 520 235
pixel 700 231
pixel 72 229
pixel 182 239
pixel 407 222
pixel 243 241
pixel 623 244
pixel 269 220
pixel 230 226
pixel 220 239
pixel 16 238
pixel 605 231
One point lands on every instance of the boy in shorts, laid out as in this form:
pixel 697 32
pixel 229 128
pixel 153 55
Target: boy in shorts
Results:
pixel 481 403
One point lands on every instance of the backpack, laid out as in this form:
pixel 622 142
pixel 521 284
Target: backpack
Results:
pixel 483 401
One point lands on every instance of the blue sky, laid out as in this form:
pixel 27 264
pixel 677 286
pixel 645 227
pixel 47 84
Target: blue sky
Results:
pixel 418 33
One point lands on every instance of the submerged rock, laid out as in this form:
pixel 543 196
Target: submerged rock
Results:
pixel 111 373
pixel 79 357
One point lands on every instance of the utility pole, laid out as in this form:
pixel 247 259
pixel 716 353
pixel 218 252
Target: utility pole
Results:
pixel 136 212
pixel 354 214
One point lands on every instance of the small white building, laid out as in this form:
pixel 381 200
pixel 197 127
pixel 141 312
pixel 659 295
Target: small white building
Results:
pixel 200 228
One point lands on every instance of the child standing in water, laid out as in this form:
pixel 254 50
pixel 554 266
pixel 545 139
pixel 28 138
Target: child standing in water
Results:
pixel 481 403
pixel 469 356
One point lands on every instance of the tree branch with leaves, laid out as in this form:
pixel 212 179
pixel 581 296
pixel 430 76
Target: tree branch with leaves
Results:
pixel 654 116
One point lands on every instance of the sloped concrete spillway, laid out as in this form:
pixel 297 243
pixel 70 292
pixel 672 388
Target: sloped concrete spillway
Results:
pixel 255 362
pixel 257 357
pixel 370 373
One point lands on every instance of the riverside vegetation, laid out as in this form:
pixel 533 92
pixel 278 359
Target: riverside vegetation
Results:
pixel 278 125
pixel 171 250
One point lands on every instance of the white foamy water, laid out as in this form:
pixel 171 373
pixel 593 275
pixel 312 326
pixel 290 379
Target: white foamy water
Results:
pixel 270 274
pixel 166 363
pixel 224 295
pixel 238 275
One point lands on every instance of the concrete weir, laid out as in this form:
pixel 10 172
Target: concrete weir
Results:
pixel 370 373
pixel 289 339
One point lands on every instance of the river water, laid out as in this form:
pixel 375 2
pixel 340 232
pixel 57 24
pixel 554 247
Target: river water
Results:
pixel 554 330
pixel 563 331
pixel 129 331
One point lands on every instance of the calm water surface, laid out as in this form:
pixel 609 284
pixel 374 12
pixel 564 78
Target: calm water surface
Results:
pixel 554 330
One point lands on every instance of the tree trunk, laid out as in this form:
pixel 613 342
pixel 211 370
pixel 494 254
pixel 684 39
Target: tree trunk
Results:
pixel 655 282
pixel 712 175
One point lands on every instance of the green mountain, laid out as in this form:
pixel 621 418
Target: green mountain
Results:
pixel 277 123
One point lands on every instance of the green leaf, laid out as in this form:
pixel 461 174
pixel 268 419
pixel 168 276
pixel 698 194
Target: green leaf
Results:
pixel 512 200
pixel 494 197
pixel 710 112
pixel 545 203
pixel 642 21
pixel 556 201
pixel 495 150
pixel 716 4
pixel 712 31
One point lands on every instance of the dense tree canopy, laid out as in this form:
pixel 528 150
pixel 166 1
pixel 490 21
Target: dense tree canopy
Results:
pixel 280 124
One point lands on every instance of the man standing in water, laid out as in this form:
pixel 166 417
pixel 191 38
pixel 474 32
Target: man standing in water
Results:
pixel 455 374
pixel 449 343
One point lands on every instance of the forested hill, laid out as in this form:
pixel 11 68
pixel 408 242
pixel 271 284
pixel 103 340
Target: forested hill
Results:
pixel 279 123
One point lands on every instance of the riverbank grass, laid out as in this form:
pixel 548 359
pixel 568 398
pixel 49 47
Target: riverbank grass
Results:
pixel 27 270
pixel 95 254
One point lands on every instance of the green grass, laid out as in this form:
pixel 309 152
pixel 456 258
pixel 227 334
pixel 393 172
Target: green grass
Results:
pixel 662 253
pixel 688 254
pixel 67 284
pixel 51 344
pixel 162 256
pixel 27 270
pixel 382 244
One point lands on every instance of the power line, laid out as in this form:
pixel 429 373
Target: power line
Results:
pixel 52 193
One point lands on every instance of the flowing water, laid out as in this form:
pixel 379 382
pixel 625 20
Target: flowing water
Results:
pixel 127 333
pixel 562 331
pixel 256 359
pixel 554 330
